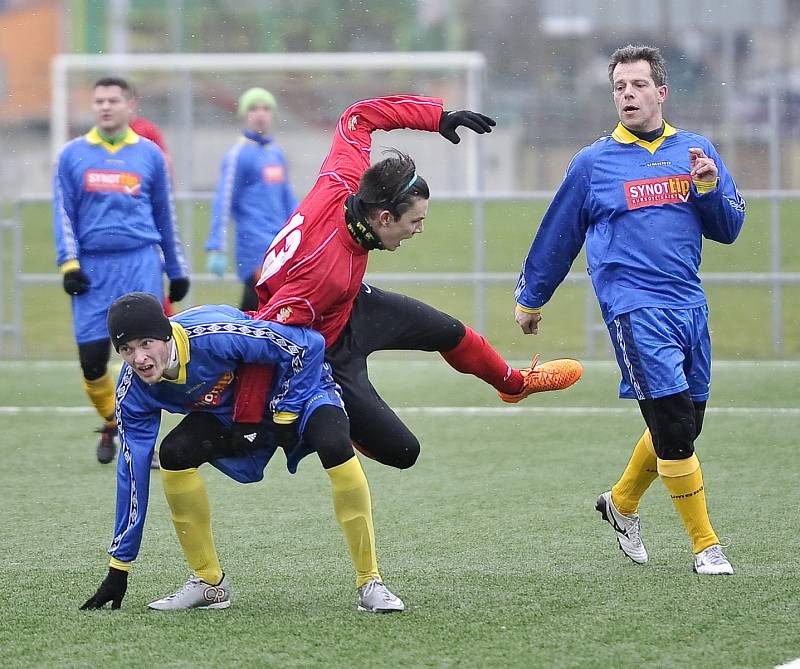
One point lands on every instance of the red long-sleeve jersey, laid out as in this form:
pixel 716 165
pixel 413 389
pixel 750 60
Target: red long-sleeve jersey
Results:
pixel 313 269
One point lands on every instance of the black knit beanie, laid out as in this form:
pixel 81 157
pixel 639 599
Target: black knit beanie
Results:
pixel 137 316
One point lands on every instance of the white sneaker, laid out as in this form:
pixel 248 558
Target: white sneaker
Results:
pixel 712 562
pixel 626 527
pixel 196 594
pixel 375 597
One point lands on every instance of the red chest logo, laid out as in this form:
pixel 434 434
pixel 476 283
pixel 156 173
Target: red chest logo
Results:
pixel 112 181
pixel 660 190
pixel 274 174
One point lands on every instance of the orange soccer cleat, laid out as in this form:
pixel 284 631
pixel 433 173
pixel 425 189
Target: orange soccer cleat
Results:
pixel 553 375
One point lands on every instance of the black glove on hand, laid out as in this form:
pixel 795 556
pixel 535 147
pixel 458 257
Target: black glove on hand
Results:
pixel 248 436
pixel 112 589
pixel 178 289
pixel 286 435
pixel 450 120
pixel 75 282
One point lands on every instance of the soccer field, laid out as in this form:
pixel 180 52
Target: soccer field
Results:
pixel 491 539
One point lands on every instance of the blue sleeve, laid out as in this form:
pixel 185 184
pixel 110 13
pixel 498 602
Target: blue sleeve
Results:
pixel 721 210
pixel 559 238
pixel 289 199
pixel 138 427
pixel 223 203
pixel 166 220
pixel 65 210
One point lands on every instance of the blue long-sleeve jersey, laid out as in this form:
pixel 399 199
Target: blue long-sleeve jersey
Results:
pixel 110 198
pixel 254 191
pixel 642 218
pixel 211 341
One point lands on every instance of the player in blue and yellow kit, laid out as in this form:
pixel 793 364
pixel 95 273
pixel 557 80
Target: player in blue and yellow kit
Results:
pixel 642 199
pixel 253 192
pixel 115 231
pixel 186 366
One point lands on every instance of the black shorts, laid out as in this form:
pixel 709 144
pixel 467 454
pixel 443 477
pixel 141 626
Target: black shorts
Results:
pixel 385 321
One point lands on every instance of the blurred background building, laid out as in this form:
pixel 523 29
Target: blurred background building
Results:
pixel 734 75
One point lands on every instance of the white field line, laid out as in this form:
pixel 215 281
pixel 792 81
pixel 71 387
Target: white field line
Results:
pixel 470 411
pixel 16 365
pixel 792 664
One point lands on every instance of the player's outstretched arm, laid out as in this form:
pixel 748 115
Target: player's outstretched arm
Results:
pixel 112 589
pixel 451 120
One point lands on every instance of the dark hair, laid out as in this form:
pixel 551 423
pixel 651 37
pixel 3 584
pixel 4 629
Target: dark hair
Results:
pixel 392 184
pixel 633 53
pixel 127 89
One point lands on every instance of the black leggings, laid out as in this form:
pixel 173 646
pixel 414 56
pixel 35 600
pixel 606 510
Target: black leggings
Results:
pixel 382 321
pixel 674 422
pixel 201 437
pixel 94 358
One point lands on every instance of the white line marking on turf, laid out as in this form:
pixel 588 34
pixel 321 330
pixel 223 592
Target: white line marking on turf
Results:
pixel 792 664
pixel 473 411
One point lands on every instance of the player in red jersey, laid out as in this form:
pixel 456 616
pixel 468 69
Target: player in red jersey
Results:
pixel 312 275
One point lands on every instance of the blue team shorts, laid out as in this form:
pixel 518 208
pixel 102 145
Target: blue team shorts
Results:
pixel 111 275
pixel 662 352
pixel 250 468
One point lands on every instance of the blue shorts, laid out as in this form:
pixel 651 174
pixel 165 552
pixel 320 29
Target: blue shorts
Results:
pixel 250 468
pixel 111 275
pixel 663 352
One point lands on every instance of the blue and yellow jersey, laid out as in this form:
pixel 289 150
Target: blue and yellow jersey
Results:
pixel 254 192
pixel 114 197
pixel 642 218
pixel 211 342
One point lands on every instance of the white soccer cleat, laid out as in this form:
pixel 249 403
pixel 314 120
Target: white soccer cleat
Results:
pixel 196 594
pixel 712 562
pixel 375 597
pixel 627 528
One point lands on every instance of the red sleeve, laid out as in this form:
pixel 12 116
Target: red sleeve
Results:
pixel 349 156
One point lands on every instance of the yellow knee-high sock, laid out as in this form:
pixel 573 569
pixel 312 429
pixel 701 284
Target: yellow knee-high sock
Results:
pixel 684 481
pixel 353 508
pixel 101 394
pixel 637 477
pixel 186 495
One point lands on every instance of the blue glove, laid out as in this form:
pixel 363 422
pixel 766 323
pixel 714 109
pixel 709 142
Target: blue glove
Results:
pixel 216 263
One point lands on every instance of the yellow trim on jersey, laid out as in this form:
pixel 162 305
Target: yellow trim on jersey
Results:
pixel 119 564
pixel 93 137
pixel 284 417
pixel 529 310
pixel 704 187
pixel 69 266
pixel 182 342
pixel 624 136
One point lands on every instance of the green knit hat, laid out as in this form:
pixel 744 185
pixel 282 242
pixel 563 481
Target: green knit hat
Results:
pixel 254 96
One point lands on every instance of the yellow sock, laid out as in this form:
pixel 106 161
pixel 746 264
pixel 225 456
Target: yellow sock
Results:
pixel 186 495
pixel 353 508
pixel 637 477
pixel 684 481
pixel 101 393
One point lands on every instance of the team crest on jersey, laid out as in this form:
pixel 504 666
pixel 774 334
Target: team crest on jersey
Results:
pixel 112 181
pixel 284 315
pixel 274 174
pixel 672 189
pixel 352 122
pixel 213 397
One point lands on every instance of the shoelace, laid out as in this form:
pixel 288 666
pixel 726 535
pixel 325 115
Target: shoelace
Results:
pixel 382 589
pixel 714 555
pixel 184 588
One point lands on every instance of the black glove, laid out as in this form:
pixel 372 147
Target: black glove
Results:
pixel 112 589
pixel 286 435
pixel 178 288
pixel 248 436
pixel 75 282
pixel 450 120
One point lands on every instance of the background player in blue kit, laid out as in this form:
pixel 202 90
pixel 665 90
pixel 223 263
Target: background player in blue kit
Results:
pixel 186 366
pixel 253 192
pixel 115 232
pixel 642 199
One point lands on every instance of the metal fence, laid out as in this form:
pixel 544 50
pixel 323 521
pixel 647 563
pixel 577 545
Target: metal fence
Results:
pixel 11 247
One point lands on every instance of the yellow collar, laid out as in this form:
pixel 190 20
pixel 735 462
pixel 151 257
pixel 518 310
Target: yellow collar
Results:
pixel 182 342
pixel 93 137
pixel 624 136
